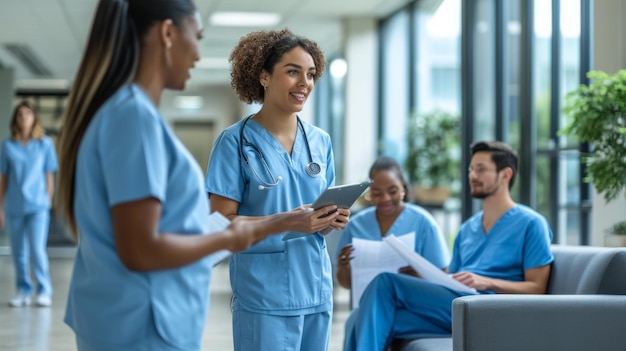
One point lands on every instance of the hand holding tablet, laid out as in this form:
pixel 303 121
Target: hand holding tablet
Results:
pixel 342 195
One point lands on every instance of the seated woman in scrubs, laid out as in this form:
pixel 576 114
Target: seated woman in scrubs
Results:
pixel 273 162
pixel 133 193
pixel 391 214
pixel 27 164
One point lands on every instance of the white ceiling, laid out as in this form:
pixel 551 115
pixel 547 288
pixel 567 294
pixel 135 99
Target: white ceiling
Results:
pixel 56 30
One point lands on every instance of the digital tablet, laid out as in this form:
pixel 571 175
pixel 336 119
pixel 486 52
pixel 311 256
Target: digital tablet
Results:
pixel 342 195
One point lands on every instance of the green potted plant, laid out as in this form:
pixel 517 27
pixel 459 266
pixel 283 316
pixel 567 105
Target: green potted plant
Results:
pixel 597 115
pixel 433 156
pixel 616 235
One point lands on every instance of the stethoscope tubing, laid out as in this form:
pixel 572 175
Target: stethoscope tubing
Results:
pixel 312 168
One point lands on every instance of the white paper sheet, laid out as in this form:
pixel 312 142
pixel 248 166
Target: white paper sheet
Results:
pixel 217 222
pixel 371 258
pixel 426 269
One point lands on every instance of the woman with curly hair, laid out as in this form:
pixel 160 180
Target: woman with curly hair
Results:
pixel 27 164
pixel 273 162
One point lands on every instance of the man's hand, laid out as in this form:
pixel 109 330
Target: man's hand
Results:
pixel 473 280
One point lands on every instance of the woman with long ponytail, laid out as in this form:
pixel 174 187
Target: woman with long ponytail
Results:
pixel 132 194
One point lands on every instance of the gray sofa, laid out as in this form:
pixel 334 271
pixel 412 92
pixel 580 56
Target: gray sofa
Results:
pixel 580 312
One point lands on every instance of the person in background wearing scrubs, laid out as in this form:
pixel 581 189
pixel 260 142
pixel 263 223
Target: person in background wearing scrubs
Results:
pixel 273 162
pixel 131 191
pixel 505 248
pixel 391 214
pixel 27 164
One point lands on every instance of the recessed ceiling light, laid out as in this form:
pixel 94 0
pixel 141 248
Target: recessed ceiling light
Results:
pixel 244 19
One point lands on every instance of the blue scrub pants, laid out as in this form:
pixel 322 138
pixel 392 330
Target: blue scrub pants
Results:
pixel 264 332
pixel 29 235
pixel 396 306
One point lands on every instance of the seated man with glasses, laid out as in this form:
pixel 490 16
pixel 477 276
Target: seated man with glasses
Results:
pixel 505 248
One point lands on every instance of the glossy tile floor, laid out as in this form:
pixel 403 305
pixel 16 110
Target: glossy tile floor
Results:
pixel 42 329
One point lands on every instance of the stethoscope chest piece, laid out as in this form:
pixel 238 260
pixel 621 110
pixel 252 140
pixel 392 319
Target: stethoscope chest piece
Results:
pixel 313 169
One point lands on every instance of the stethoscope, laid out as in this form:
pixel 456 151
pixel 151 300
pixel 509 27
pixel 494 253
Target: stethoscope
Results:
pixel 312 168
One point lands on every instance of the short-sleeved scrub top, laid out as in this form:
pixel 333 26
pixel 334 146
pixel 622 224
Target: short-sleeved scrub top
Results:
pixel 130 153
pixel 518 241
pixel 25 167
pixel 277 277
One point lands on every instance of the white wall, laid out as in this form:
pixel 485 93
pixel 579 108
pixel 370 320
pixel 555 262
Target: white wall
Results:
pixel 361 51
pixel 220 109
pixel 7 98
pixel 220 105
pixel 609 47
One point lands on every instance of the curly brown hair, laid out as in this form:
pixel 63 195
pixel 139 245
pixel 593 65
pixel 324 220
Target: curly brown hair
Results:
pixel 261 50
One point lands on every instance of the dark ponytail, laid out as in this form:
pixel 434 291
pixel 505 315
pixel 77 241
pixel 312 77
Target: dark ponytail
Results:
pixel 109 62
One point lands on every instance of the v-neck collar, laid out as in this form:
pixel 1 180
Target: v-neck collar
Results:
pixel 275 144
pixel 495 224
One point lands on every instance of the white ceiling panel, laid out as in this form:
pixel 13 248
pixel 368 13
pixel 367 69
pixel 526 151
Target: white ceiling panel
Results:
pixel 56 30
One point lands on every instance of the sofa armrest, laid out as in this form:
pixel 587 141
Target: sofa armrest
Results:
pixel 539 322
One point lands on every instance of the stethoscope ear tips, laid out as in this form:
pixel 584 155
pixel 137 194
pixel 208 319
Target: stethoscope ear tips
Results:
pixel 261 187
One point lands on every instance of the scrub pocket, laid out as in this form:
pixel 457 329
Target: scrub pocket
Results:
pixel 261 280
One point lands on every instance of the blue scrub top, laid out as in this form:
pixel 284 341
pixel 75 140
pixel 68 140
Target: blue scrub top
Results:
pixel 520 240
pixel 277 277
pixel 25 168
pixel 130 153
pixel 429 241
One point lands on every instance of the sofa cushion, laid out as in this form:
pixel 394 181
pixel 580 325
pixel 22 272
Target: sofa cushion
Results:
pixel 587 270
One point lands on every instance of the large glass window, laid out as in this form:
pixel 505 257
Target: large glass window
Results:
pixel 395 84
pixel 438 58
pixel 330 110
pixel 542 89
pixel 484 73
pixel 519 59
pixel 569 175
pixel 421 76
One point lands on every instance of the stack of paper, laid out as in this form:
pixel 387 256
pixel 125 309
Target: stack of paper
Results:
pixel 217 222
pixel 426 269
pixel 374 257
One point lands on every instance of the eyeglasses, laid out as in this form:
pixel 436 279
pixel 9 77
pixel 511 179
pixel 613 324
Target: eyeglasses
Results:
pixel 480 169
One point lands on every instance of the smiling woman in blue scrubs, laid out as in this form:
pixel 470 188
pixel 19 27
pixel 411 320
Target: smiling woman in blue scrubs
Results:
pixel 27 163
pixel 268 163
pixel 391 214
pixel 132 191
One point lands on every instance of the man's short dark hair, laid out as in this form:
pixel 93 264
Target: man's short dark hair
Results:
pixel 501 154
